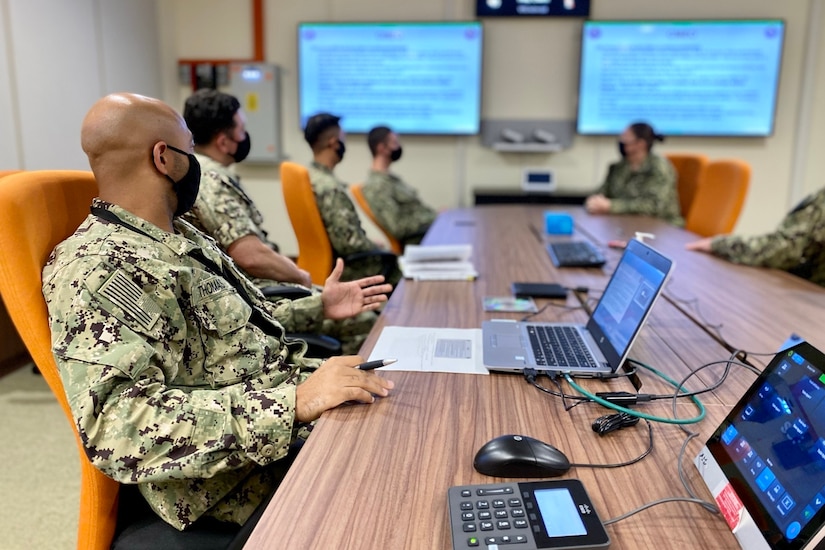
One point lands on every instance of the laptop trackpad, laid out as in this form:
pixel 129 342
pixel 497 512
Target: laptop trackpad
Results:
pixel 507 341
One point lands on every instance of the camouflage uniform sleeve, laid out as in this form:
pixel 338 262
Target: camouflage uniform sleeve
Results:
pixel 300 315
pixel 135 425
pixel 218 212
pixel 610 181
pixel 654 193
pixel 341 220
pixel 397 206
pixel 796 238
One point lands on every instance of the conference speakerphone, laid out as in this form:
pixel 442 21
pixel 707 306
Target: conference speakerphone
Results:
pixel 533 515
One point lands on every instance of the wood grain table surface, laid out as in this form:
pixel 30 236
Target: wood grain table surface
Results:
pixel 376 476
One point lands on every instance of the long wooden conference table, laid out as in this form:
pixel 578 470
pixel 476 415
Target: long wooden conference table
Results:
pixel 376 476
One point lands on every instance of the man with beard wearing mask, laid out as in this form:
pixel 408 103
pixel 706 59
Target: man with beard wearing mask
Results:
pixel 324 135
pixel 395 204
pixel 179 378
pixel 640 183
pixel 225 212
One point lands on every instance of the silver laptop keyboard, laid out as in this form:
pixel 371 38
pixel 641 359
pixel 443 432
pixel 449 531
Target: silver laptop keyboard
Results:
pixel 559 346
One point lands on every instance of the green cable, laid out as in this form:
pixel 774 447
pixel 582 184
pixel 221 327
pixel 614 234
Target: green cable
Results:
pixel 638 414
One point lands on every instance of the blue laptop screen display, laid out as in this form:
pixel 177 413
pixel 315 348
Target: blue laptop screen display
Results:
pixel 772 448
pixel 626 300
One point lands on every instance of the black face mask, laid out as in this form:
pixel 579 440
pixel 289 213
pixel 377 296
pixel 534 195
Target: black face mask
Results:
pixel 395 154
pixel 342 148
pixel 188 186
pixel 622 151
pixel 243 149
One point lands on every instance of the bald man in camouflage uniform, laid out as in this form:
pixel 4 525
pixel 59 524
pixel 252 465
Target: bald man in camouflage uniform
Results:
pixel 178 376
pixel 797 246
pixel 324 135
pixel 640 183
pixel 228 214
pixel 396 205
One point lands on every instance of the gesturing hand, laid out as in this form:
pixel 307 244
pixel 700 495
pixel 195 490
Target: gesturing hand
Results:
pixel 343 300
pixel 336 381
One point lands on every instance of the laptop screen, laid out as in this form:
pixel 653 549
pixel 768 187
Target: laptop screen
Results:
pixel 626 301
pixel 772 447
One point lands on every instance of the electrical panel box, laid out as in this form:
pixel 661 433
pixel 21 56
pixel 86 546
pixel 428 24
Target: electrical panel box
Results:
pixel 257 87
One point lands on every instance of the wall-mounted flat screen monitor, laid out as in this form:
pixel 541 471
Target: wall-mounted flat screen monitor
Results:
pixel 417 78
pixel 690 78
pixel 532 8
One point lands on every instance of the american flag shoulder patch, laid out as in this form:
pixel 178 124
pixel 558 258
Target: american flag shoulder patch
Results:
pixel 126 294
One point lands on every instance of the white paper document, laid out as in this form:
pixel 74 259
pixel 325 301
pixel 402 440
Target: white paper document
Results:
pixel 438 252
pixel 438 263
pixel 456 350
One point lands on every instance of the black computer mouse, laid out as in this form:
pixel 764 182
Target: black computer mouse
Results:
pixel 520 456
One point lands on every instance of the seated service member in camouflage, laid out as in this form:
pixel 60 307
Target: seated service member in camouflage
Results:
pixel 179 378
pixel 326 138
pixel 226 213
pixel 395 204
pixel 640 183
pixel 797 245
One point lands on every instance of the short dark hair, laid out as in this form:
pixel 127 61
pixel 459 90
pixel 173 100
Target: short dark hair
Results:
pixel 209 112
pixel 377 136
pixel 318 127
pixel 644 131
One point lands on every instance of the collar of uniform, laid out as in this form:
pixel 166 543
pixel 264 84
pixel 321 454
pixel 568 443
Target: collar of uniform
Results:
pixel 322 168
pixel 645 166
pixel 208 164
pixel 177 243
pixel 384 175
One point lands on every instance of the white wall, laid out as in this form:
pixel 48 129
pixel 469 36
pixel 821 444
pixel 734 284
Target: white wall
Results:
pixel 813 167
pixel 60 57
pixel 9 150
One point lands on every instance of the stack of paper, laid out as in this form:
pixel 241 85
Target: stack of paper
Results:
pixel 438 263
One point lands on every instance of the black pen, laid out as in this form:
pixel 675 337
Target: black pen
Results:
pixel 369 365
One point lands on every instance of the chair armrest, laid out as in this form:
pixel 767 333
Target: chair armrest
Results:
pixel 286 291
pixel 417 237
pixel 320 346
pixel 389 261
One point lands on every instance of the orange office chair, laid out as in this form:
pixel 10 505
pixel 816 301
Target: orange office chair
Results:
pixel 315 253
pixel 13 346
pixel 314 248
pixel 689 167
pixel 357 190
pixel 39 209
pixel 719 197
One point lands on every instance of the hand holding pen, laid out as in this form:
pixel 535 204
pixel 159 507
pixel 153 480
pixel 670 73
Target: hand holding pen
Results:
pixel 370 365
pixel 334 383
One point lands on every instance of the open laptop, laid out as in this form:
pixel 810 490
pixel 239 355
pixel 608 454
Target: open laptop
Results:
pixel 602 344
pixel 765 463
